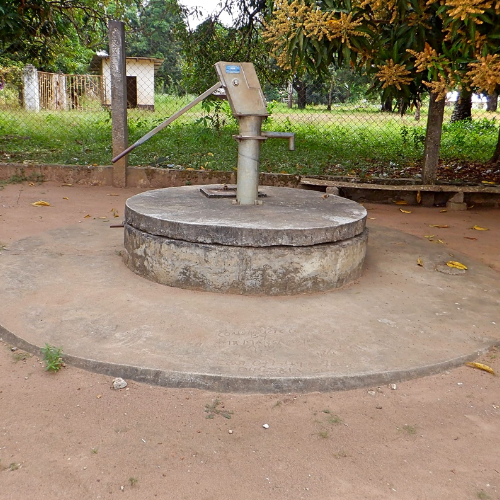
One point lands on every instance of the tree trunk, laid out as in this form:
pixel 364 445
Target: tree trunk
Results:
pixel 433 140
pixel 492 104
pixel 463 107
pixel 387 106
pixel 496 155
pixel 290 95
pixel 418 105
pixel 330 92
pixel 301 88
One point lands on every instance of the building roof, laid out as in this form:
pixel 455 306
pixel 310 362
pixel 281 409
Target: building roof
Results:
pixel 95 64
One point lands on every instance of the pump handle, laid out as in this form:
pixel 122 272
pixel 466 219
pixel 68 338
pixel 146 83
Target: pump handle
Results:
pixel 168 121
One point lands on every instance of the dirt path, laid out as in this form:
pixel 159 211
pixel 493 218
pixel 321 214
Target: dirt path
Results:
pixel 69 435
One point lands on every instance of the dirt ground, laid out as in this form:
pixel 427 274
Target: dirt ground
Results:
pixel 70 436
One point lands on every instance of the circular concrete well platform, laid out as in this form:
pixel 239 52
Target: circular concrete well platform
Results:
pixel 70 288
pixel 297 241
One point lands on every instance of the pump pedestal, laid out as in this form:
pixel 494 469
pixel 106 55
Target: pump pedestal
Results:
pixel 298 241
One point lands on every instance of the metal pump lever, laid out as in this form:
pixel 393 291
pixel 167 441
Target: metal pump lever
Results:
pixel 168 121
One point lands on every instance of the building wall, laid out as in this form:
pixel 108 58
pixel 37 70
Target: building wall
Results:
pixel 144 71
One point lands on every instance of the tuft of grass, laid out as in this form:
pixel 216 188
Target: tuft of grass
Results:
pixel 341 454
pixel 20 356
pixel 323 434
pixel 13 466
pixel 408 429
pixel 133 481
pixel 334 419
pixel 53 358
pixel 94 451
pixel 482 495
pixel 217 408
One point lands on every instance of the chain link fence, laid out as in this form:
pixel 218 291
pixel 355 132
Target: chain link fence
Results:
pixel 339 128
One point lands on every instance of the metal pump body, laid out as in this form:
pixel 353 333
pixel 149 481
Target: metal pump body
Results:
pixel 248 104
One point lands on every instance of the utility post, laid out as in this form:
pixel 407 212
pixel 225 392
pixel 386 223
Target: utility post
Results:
pixel 117 63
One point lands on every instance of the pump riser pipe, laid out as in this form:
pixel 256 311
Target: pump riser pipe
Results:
pixel 248 160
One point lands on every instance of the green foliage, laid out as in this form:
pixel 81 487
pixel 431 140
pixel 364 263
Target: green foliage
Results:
pixel 44 32
pixel 53 358
pixel 153 34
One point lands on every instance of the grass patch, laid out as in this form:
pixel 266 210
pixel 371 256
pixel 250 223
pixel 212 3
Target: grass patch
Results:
pixel 52 357
pixel 482 495
pixel 133 481
pixel 348 140
pixel 217 408
pixel 411 430
pixel 20 356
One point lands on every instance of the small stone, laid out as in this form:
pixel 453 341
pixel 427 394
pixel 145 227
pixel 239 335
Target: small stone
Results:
pixel 13 349
pixel 266 426
pixel 230 431
pixel 119 383
pixel 394 387
pixel 372 393
pixel 122 488
pixel 378 407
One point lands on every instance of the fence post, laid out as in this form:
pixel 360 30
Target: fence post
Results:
pixel 117 66
pixel 31 88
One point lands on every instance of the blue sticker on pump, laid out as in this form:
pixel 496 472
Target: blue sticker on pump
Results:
pixel 232 69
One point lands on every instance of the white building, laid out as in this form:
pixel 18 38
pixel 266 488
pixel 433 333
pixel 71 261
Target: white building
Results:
pixel 140 79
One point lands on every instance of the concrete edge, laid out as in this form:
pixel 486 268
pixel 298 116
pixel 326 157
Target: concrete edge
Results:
pixel 262 385
pixel 156 178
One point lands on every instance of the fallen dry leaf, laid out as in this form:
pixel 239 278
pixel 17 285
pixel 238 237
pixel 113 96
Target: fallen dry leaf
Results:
pixel 442 211
pixel 440 226
pixel 456 265
pixel 65 198
pixel 87 216
pixel 480 366
pixel 479 228
pixel 401 202
pixel 113 194
pixel 372 218
pixel 419 197
pixel 66 184
pixel 430 236
pixel 487 182
pixel 470 238
pixel 420 263
pixel 41 203
pixel 405 211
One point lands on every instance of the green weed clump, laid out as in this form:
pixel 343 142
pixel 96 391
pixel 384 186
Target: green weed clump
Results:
pixel 53 358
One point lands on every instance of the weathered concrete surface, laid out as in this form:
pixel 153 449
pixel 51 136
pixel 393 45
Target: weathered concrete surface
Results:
pixel 70 288
pixel 290 217
pixel 275 270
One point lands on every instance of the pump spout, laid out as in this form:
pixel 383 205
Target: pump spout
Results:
pixel 168 121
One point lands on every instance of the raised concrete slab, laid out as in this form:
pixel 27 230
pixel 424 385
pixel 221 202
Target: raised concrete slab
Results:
pixel 290 217
pixel 70 288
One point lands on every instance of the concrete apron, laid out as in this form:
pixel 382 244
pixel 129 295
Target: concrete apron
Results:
pixel 70 288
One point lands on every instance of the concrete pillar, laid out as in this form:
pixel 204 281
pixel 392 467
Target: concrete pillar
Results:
pixel 31 89
pixel 117 63
pixel 59 89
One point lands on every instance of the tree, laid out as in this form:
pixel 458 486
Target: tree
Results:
pixel 153 34
pixel 462 110
pixel 211 41
pixel 407 47
pixel 39 31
